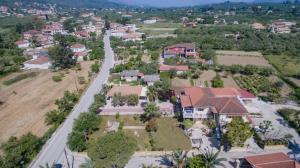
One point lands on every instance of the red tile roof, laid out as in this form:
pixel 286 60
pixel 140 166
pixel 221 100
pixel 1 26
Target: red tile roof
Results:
pixel 39 60
pixel 20 42
pixel 222 100
pixel 173 67
pixel 77 45
pixel 274 160
pixel 246 95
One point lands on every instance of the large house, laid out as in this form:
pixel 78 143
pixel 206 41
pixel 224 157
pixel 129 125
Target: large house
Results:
pixel 41 62
pixel 223 103
pixel 273 160
pixel 151 79
pixel 180 50
pixel 281 26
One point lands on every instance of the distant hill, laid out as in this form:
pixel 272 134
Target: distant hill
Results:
pixel 69 3
pixel 273 1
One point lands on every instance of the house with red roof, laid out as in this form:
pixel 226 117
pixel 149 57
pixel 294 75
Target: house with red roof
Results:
pixel 273 160
pixel 41 62
pixel 204 103
pixel 180 50
pixel 22 44
pixel 28 35
pixel 82 34
pixel 178 68
pixel 79 51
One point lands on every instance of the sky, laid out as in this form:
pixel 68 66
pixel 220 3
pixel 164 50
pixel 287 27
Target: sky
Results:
pixel 170 3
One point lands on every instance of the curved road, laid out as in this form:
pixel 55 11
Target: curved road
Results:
pixel 53 150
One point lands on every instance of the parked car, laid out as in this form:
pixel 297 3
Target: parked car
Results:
pixel 57 165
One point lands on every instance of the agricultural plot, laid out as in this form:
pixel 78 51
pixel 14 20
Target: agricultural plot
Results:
pixel 288 66
pixel 205 78
pixel 229 58
pixel 260 86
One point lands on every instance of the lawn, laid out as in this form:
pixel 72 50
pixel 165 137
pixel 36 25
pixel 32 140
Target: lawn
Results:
pixel 288 66
pixel 169 136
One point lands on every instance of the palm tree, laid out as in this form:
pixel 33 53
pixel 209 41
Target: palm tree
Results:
pixel 179 157
pixel 211 159
pixel 152 93
pixel 151 112
pixel 88 164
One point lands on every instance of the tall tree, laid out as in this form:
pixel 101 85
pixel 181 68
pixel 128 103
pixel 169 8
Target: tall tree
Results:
pixel 113 150
pixel 151 112
pixel 238 132
pixel 152 93
pixel 61 57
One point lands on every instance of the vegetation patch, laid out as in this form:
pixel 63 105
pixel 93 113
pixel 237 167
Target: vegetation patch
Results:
pixel 289 66
pixel 20 77
pixel 292 117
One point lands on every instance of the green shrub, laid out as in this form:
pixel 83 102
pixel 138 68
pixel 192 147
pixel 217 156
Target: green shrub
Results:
pixel 57 78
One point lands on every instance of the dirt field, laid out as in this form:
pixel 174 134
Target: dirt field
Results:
pixel 205 76
pixel 229 81
pixel 239 57
pixel 177 83
pixel 27 101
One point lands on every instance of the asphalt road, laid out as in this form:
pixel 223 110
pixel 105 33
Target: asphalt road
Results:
pixel 53 150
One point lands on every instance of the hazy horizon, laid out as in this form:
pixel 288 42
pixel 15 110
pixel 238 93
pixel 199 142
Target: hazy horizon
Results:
pixel 173 3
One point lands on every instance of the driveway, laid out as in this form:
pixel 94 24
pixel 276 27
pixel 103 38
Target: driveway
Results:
pixel 280 126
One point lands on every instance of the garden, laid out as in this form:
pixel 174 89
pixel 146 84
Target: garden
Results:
pixel 260 86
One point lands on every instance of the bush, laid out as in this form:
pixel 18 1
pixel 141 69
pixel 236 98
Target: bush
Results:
pixel 132 100
pixel 217 82
pixel 95 67
pixel 57 78
pixel 19 78
pixel 81 80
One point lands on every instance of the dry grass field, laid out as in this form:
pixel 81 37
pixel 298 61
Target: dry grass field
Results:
pixel 26 102
pixel 240 57
pixel 177 83
pixel 205 76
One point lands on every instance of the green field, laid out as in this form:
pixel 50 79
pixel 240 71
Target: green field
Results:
pixel 288 66
pixel 170 137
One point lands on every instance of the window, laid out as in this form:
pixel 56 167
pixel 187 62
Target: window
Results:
pixel 200 109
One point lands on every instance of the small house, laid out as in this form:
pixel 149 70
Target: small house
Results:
pixel 151 79
pixel 22 44
pixel 131 75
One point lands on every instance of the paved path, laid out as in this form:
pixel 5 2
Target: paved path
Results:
pixel 53 150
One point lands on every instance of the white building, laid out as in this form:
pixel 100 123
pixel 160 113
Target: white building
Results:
pixel 150 21
pixel 22 44
pixel 39 63
pixel 78 48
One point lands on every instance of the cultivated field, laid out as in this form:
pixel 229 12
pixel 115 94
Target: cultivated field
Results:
pixel 240 57
pixel 287 65
pixel 27 101
pixel 177 83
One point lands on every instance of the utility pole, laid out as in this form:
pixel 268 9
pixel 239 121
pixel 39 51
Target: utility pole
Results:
pixel 65 152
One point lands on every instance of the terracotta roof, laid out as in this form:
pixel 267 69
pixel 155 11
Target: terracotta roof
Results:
pixel 246 95
pixel 39 60
pixel 80 54
pixel 77 45
pixel 173 67
pixel 32 32
pixel 20 42
pixel 183 45
pixel 222 102
pixel 125 90
pixel 274 160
